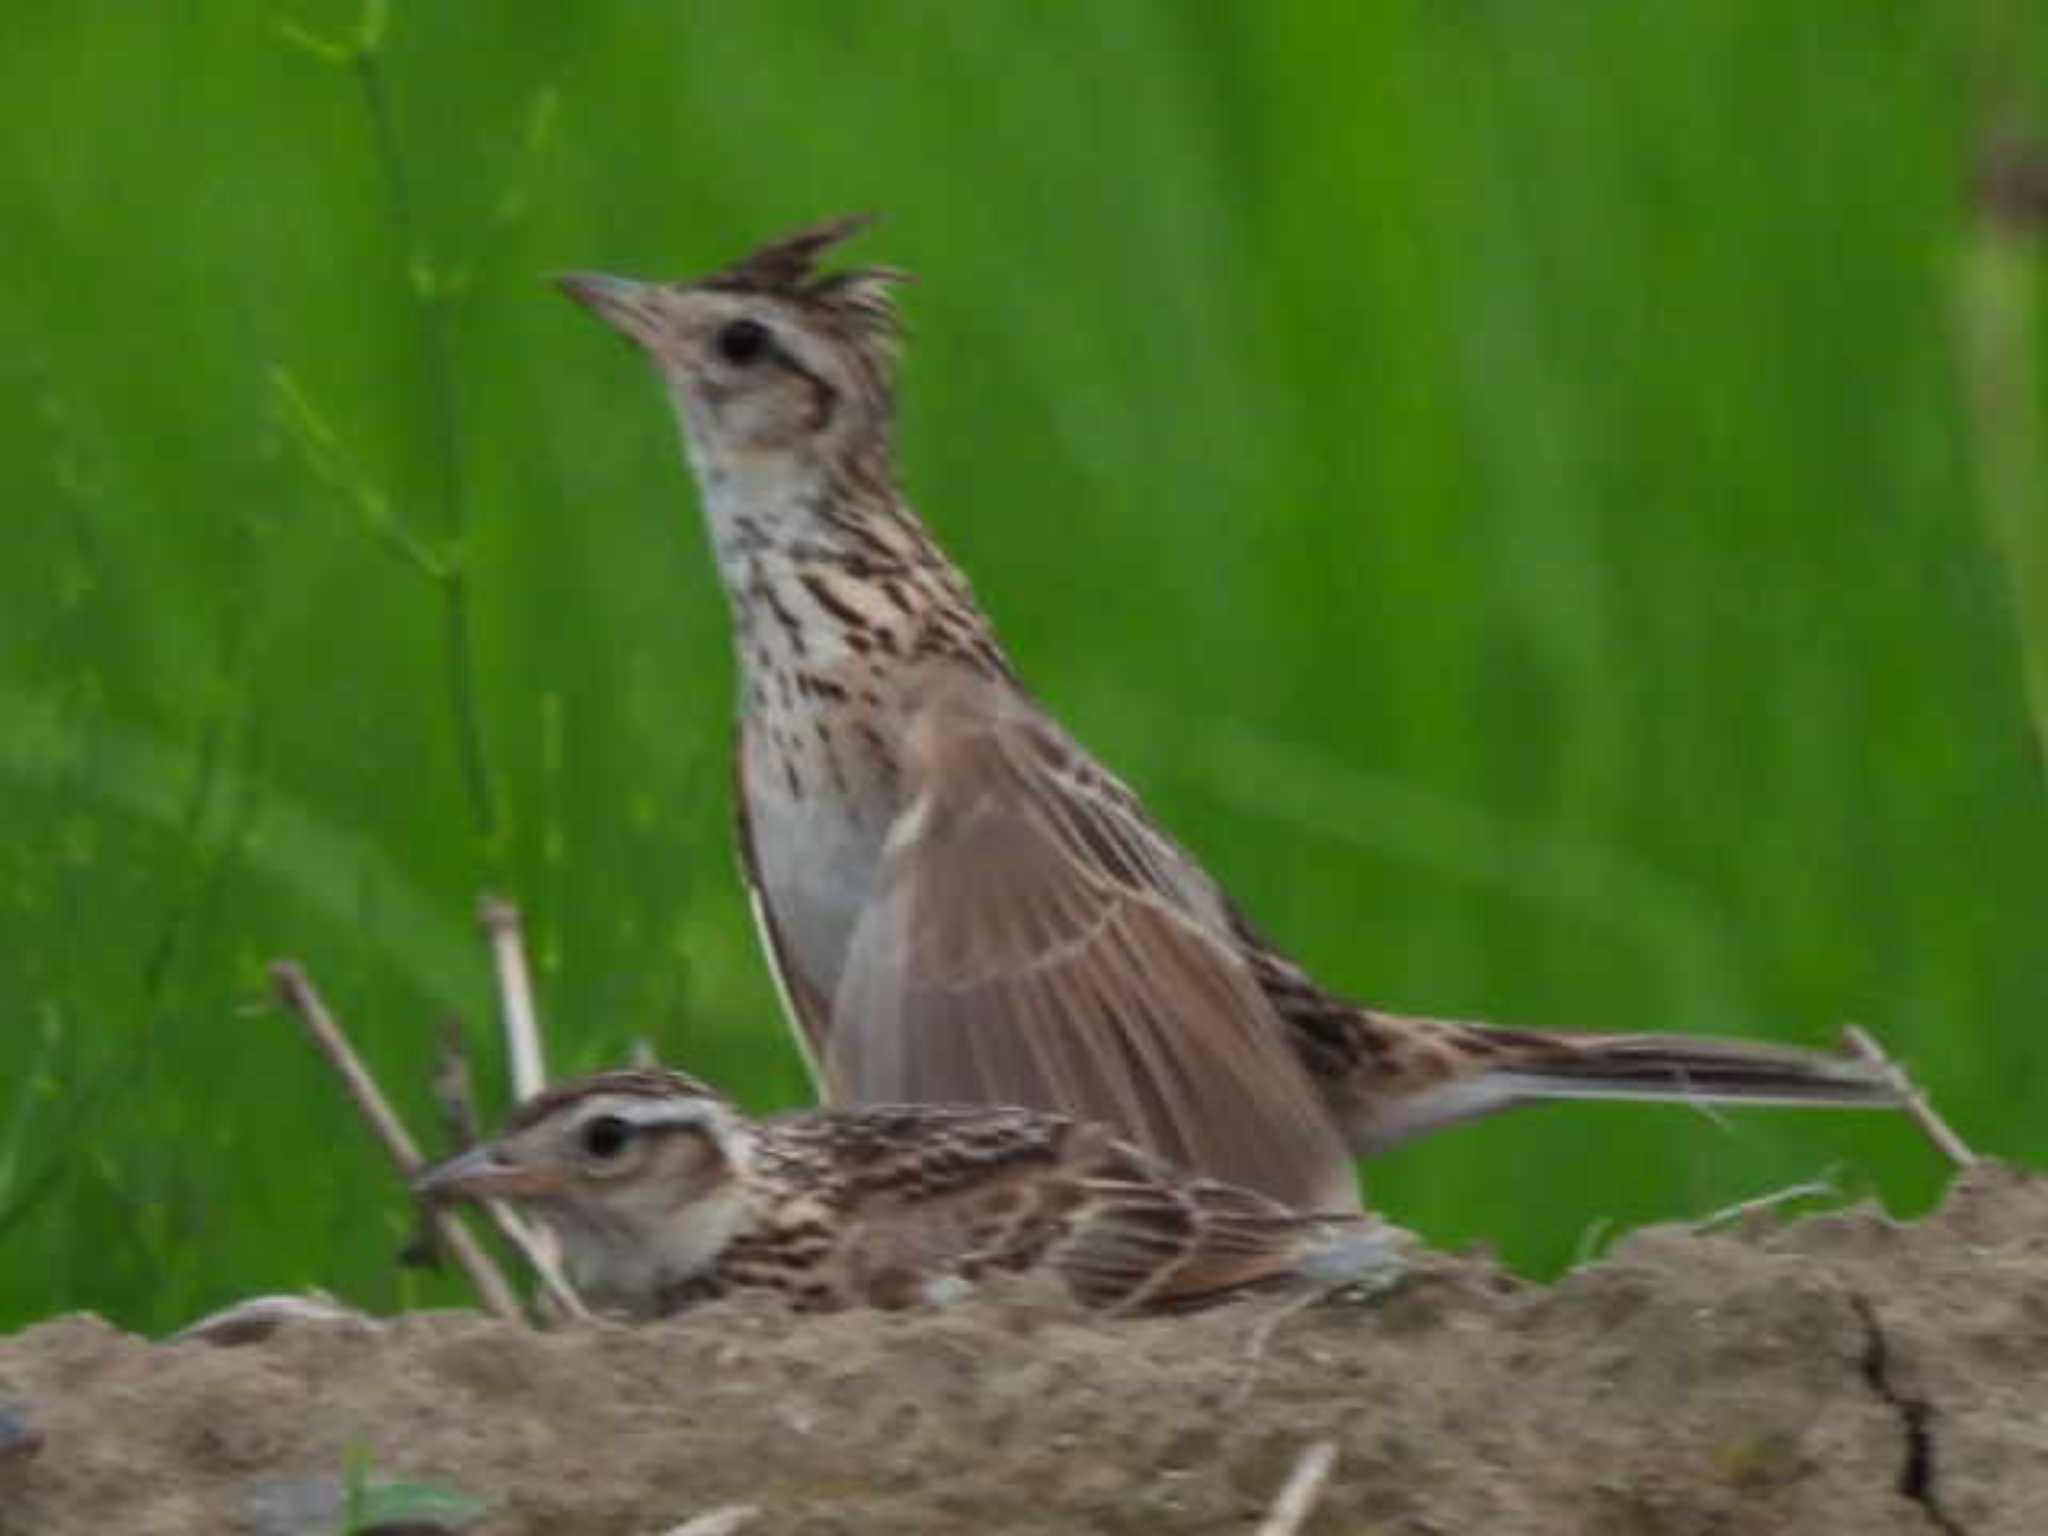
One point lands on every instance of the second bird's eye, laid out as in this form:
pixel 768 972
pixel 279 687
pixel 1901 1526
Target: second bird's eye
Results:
pixel 743 341
pixel 606 1136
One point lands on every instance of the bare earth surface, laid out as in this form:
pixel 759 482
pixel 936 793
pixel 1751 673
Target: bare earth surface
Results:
pixel 1845 1373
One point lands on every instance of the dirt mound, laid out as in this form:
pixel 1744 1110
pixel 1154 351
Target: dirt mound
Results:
pixel 1846 1373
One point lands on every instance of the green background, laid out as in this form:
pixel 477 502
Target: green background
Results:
pixel 1498 477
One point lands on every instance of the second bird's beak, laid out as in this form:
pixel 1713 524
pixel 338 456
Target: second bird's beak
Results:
pixel 625 304
pixel 483 1173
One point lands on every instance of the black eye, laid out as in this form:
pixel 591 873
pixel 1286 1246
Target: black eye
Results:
pixel 606 1136
pixel 743 342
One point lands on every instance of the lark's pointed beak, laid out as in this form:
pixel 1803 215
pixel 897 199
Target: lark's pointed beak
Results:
pixel 483 1173
pixel 625 304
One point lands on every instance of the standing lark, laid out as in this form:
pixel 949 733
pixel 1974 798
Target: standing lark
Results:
pixel 960 903
pixel 664 1195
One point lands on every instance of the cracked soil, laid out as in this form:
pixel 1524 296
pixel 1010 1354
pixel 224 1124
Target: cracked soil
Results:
pixel 1842 1373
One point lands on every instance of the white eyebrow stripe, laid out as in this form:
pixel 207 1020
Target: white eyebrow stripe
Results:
pixel 637 1110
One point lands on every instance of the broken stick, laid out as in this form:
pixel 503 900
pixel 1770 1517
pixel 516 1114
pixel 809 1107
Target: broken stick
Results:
pixel 1297 1499
pixel 506 933
pixel 1913 1101
pixel 501 924
pixel 1822 1188
pixel 296 989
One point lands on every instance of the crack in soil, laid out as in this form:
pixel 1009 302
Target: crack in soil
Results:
pixel 1916 1419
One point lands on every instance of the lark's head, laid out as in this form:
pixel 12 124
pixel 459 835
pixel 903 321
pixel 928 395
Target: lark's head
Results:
pixel 771 364
pixel 638 1171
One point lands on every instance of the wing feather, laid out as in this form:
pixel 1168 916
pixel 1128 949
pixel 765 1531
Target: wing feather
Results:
pixel 1032 940
pixel 1145 1241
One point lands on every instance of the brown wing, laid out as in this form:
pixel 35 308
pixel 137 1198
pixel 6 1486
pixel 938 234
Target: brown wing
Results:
pixel 1033 940
pixel 1144 1240
pixel 922 1192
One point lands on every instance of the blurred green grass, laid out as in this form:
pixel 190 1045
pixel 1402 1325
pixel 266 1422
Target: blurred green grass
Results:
pixel 1496 477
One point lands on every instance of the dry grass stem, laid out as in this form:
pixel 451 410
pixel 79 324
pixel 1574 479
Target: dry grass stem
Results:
pixel 1915 1103
pixel 501 924
pixel 298 993
pixel 1591 1239
pixel 543 1254
pixel 1304 1486
pixel 722 1521
pixel 506 933
pixel 255 1318
pixel 1822 1188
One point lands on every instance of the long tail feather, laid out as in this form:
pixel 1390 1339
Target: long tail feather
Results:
pixel 1682 1067
pixel 1447 1072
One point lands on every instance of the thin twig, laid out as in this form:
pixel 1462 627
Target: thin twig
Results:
pixel 297 991
pixel 1304 1486
pixel 1912 1100
pixel 1822 1188
pixel 722 1521
pixel 256 1318
pixel 501 925
pixel 1591 1237
pixel 543 1254
pixel 1709 1112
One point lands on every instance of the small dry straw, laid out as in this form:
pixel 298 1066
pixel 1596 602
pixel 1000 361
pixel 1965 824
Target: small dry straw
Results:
pixel 501 925
pixel 296 989
pixel 1936 1129
pixel 1297 1500
pixel 506 933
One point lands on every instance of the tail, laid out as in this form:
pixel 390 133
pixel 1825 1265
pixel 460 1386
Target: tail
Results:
pixel 1432 1073
pixel 1697 1068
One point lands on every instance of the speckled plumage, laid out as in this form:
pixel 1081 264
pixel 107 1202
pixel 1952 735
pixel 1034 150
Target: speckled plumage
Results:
pixel 664 1196
pixel 959 902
